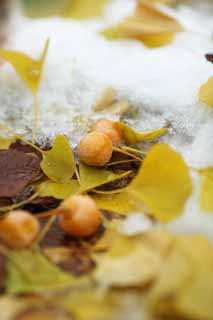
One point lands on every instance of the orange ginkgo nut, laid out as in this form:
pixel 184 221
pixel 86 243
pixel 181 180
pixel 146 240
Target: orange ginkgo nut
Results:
pixel 111 129
pixel 18 229
pixel 95 149
pixel 79 216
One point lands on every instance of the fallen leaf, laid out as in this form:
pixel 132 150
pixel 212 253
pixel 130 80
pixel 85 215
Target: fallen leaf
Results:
pixel 163 183
pixel 184 286
pixel 91 178
pixel 85 9
pixel 29 271
pixel 17 170
pixel 130 136
pixel 30 71
pixel 57 190
pixel 209 57
pixel 129 261
pixel 121 203
pixel 5 143
pixel 106 99
pixel 206 198
pixel 58 164
pixel 74 259
pixel 148 24
pixel 206 92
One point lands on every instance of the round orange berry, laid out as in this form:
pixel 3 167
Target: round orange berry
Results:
pixel 109 128
pixel 95 149
pixel 79 216
pixel 18 229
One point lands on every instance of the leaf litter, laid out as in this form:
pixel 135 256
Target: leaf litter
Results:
pixel 171 266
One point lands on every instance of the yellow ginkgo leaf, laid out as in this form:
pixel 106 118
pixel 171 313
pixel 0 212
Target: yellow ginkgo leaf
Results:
pixel 91 178
pixel 5 143
pixel 132 137
pixel 129 260
pixel 121 203
pixel 163 183
pixel 148 24
pixel 206 92
pixel 30 70
pixel 58 190
pixel 58 164
pixel 206 200
pixel 184 287
pixel 85 9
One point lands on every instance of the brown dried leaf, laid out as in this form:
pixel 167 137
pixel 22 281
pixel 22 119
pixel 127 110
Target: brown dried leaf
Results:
pixel 17 170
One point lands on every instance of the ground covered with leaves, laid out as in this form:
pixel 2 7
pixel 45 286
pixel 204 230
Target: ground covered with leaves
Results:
pixel 133 266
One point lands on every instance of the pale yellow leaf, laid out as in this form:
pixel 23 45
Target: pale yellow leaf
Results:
pixel 29 69
pixel 91 178
pixel 106 99
pixel 58 164
pixel 85 9
pixel 58 190
pixel 206 199
pixel 148 24
pixel 132 137
pixel 129 261
pixel 163 183
pixel 206 92
pixel 121 203
pixel 5 143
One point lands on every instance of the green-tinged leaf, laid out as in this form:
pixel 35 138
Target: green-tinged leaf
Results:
pixel 147 24
pixel 58 190
pixel 91 178
pixel 58 164
pixel 5 143
pixel 29 69
pixel 85 9
pixel 30 271
pixel 121 203
pixel 206 92
pixel 206 200
pixel 130 260
pixel 132 137
pixel 163 183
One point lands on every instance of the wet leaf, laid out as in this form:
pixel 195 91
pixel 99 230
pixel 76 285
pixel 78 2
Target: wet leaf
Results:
pixel 5 143
pixel 91 178
pixel 58 190
pixel 29 69
pixel 206 92
pixel 17 170
pixel 130 260
pixel 30 271
pixel 206 199
pixel 58 164
pixel 148 24
pixel 163 183
pixel 132 137
pixel 106 99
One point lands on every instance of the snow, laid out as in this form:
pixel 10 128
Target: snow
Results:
pixel 163 83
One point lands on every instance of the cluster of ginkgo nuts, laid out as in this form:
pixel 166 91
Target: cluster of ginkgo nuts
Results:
pixel 96 148
pixel 78 216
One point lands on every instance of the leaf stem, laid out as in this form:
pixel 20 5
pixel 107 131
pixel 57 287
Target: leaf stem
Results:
pixel 127 153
